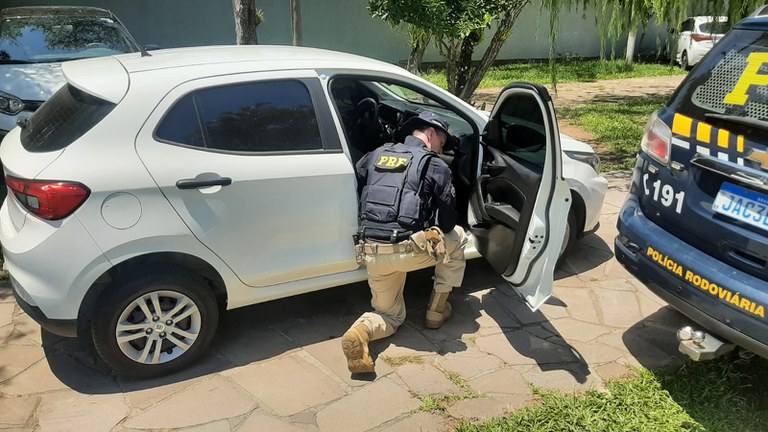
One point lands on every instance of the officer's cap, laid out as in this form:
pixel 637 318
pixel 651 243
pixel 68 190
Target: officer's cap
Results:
pixel 428 118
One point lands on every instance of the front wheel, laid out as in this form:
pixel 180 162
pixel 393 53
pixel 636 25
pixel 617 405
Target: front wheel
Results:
pixel 156 323
pixel 571 232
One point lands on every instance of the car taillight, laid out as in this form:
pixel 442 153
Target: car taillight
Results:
pixel 657 139
pixel 698 37
pixel 48 199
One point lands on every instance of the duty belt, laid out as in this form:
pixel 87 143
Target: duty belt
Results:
pixel 387 248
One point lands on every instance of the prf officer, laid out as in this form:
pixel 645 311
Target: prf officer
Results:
pixel 407 222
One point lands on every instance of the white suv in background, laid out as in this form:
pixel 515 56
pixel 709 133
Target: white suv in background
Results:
pixel 151 192
pixel 697 36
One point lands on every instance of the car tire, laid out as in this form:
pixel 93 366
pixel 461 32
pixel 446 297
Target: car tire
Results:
pixel 684 65
pixel 148 346
pixel 569 241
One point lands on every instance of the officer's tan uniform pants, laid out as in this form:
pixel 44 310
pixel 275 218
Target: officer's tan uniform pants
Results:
pixel 386 277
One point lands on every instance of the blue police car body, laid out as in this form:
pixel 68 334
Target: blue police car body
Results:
pixel 694 227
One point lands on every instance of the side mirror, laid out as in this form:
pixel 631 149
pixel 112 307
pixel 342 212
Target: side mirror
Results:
pixel 151 47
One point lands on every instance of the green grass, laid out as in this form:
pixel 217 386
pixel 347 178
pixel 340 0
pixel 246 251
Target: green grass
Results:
pixel 727 395
pixel 401 360
pixel 438 403
pixel 567 71
pixel 618 125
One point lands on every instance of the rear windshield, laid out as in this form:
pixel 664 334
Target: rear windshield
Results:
pixel 713 28
pixel 60 38
pixel 65 117
pixel 729 80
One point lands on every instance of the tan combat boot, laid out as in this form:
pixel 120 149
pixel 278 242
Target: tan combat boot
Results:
pixel 355 346
pixel 438 310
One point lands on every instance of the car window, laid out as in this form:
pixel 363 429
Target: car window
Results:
pixel 59 38
pixel 65 117
pixel 522 132
pixel 408 94
pixel 269 116
pixel 724 83
pixel 713 28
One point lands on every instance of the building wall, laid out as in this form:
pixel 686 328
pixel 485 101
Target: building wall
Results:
pixel 343 25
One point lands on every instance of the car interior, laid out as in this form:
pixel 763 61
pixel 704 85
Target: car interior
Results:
pixel 514 145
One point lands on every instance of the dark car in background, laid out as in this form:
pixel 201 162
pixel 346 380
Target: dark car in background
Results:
pixel 34 41
pixel 694 227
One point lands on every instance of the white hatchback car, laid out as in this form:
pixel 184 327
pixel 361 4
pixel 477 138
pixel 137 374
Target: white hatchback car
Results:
pixel 697 36
pixel 151 192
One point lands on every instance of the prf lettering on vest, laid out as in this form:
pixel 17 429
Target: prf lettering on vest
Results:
pixel 711 288
pixel 750 77
pixel 391 161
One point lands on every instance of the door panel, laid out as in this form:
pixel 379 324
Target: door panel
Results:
pixel 520 201
pixel 272 216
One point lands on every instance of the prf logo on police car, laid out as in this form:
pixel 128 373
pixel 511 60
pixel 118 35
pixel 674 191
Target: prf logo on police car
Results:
pixel 750 77
pixel 724 294
pixel 720 142
pixel 390 162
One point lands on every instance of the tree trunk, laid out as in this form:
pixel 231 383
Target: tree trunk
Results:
pixel 464 62
pixel 296 23
pixel 419 43
pixel 631 42
pixel 494 46
pixel 449 50
pixel 246 20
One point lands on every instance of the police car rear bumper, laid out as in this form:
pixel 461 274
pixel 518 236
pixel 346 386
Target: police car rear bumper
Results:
pixel 674 271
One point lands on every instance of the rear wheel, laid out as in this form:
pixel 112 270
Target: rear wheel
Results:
pixel 156 323
pixel 684 65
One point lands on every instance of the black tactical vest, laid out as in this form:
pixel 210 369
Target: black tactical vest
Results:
pixel 390 206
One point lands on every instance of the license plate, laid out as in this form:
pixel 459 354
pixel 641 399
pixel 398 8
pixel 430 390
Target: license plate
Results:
pixel 742 204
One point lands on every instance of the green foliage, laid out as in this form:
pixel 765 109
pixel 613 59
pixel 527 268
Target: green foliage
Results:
pixel 719 396
pixel 571 70
pixel 617 124
pixel 441 18
pixel 456 27
pixel 614 18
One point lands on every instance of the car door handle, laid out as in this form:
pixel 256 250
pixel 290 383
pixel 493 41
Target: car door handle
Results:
pixel 196 184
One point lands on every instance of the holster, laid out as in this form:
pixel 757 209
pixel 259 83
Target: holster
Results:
pixel 432 240
pixel 359 248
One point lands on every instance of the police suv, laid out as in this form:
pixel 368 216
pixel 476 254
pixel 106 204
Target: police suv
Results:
pixel 152 191
pixel 694 227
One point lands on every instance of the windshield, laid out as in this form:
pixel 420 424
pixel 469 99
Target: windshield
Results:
pixel 60 38
pixel 730 79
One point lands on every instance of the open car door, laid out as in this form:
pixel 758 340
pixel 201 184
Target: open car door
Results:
pixel 519 203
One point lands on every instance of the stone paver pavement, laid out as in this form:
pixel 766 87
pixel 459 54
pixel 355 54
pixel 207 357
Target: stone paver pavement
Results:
pixel 279 366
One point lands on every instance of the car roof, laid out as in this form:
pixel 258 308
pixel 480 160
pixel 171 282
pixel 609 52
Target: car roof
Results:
pixel 35 11
pixel 709 18
pixel 756 23
pixel 108 77
pixel 262 57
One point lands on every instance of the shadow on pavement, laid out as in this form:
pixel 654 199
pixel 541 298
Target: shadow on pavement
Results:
pixel 528 333
pixel 590 252
pixel 653 341
pixel 268 330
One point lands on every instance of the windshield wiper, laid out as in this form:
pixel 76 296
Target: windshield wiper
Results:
pixel 745 125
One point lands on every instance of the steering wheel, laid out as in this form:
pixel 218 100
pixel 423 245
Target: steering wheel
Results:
pixel 368 115
pixel 94 45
